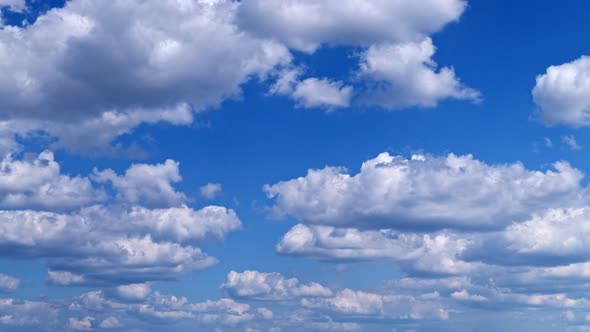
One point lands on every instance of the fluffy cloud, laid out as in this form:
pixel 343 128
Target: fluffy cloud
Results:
pixel 270 286
pixel 84 324
pixel 142 233
pixel 36 182
pixel 16 313
pixel 224 312
pixel 312 92
pixel 157 65
pixel 415 253
pixel 14 5
pixel 8 283
pixel 424 192
pixel 306 24
pixel 557 237
pixel 149 185
pixel 561 94
pixel 97 245
pixel 397 65
pixel 98 310
pixel 211 190
pixel 467 235
pixel 366 304
pixel 405 75
pixel 134 291
pixel 570 142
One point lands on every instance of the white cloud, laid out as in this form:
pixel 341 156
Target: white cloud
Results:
pixel 562 94
pixel 8 283
pixel 17 313
pixel 83 324
pixel 134 291
pixel 424 192
pixel 109 323
pixel 362 303
pixel 14 5
pixel 64 278
pixel 312 92
pixel 307 24
pixel 125 241
pixel 149 185
pixel 152 65
pixel 464 295
pixel 415 253
pixel 270 286
pixel 37 182
pixel 556 237
pixel 100 244
pixel 211 190
pixel 405 75
pixel 570 141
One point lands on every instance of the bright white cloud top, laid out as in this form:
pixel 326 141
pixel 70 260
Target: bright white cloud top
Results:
pixel 561 94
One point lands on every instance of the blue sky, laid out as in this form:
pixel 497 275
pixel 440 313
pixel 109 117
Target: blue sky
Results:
pixel 211 165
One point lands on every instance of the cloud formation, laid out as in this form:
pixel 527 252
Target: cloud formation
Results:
pixel 424 192
pixel 561 94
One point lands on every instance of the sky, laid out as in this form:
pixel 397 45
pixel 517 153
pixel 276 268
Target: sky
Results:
pixel 294 165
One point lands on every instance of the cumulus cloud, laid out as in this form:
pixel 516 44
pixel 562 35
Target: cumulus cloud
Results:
pixel 312 92
pixel 556 237
pixel 362 303
pixel 396 65
pixel 415 253
pixel 270 286
pixel 109 323
pixel 37 182
pixel 8 283
pixel 134 291
pixel 424 192
pixel 143 232
pixel 167 76
pixel 13 5
pixel 97 309
pixel 83 324
pixel 562 96
pixel 570 142
pixel 65 278
pixel 16 313
pixel 211 190
pixel 466 235
pixel 306 25
pixel 405 75
pixel 157 65
pixel 119 250
pixel 148 185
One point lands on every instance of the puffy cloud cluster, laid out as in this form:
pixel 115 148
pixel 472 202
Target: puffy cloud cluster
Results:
pixel 270 286
pixel 312 92
pixel 143 232
pixel 8 283
pixel 13 5
pixel 307 25
pixel 397 57
pixel 405 75
pixel 465 233
pixel 562 96
pixel 152 71
pixel 415 253
pixel 97 310
pixel 424 192
pixel 36 182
